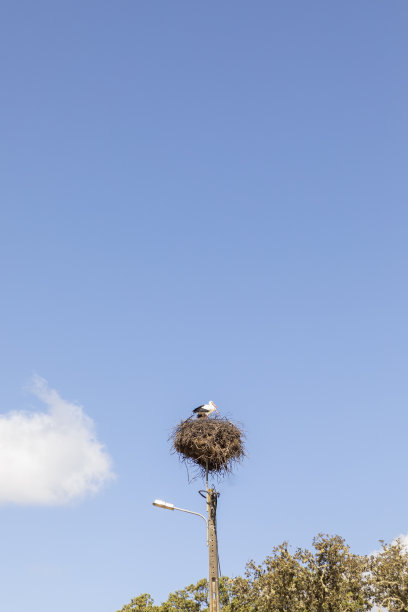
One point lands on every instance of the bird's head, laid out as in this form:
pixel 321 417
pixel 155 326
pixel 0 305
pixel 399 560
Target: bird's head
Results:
pixel 213 406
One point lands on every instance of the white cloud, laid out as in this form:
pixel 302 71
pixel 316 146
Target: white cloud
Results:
pixel 51 457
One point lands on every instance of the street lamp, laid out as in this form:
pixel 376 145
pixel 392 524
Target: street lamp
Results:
pixel 211 496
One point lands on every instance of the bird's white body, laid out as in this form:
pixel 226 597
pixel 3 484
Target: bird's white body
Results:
pixel 205 410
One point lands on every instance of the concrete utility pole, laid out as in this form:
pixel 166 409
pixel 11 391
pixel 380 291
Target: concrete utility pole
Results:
pixel 213 584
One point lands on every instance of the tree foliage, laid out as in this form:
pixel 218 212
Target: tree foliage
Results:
pixel 142 603
pixel 389 576
pixel 327 578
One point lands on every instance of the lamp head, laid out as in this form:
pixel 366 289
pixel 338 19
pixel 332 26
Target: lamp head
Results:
pixel 159 503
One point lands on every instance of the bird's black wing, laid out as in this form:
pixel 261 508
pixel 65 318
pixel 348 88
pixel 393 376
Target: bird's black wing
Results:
pixel 198 408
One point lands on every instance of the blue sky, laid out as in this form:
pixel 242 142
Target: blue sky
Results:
pixel 198 201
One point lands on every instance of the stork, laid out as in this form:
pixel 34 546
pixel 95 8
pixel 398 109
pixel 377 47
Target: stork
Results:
pixel 205 410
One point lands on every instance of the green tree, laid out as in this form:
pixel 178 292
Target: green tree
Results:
pixel 142 603
pixel 338 581
pixel 329 579
pixel 279 584
pixel 194 598
pixel 389 576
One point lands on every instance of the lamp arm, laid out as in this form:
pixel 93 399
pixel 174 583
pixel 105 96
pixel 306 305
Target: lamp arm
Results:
pixel 197 514
pixel 191 512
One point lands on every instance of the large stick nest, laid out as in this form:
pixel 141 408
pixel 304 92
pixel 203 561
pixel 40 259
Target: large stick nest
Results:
pixel 216 443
